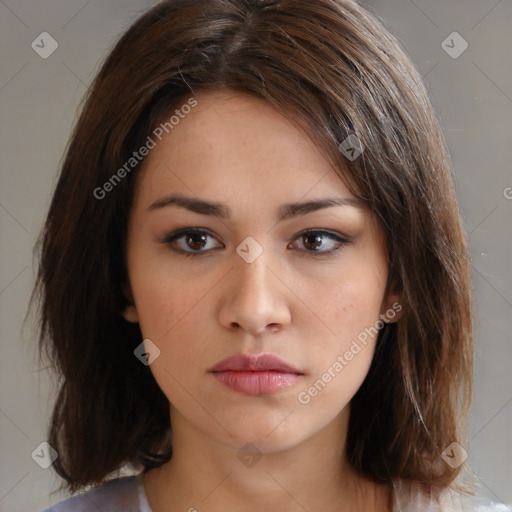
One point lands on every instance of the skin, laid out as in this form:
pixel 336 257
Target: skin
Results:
pixel 302 306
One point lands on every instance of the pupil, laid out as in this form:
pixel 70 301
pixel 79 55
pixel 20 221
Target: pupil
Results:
pixel 196 240
pixel 317 241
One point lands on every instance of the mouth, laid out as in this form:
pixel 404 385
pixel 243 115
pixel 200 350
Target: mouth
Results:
pixel 255 375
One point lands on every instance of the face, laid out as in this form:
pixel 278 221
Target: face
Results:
pixel 249 275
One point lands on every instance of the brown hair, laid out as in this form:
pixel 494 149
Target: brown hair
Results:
pixel 334 70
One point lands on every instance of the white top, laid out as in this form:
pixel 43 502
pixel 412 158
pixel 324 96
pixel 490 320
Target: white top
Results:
pixel 127 494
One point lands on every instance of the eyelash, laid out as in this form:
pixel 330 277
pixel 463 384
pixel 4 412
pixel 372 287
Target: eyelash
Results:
pixel 173 237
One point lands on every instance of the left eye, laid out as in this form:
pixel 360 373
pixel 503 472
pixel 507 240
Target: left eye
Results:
pixel 321 241
pixel 194 242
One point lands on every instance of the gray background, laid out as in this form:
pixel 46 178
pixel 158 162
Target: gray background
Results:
pixel 472 95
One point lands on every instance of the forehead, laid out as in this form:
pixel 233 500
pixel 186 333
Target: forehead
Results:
pixel 231 144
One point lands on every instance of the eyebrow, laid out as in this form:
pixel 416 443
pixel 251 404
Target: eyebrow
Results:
pixel 286 211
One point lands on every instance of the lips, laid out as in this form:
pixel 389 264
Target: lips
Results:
pixel 255 375
pixel 261 363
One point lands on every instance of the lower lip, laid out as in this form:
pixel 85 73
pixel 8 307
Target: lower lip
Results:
pixel 256 383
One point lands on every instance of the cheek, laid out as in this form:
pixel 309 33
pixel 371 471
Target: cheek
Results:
pixel 165 296
pixel 344 307
pixel 174 313
pixel 169 318
pixel 343 354
pixel 345 327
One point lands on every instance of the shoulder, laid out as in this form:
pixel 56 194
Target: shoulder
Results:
pixel 408 497
pixel 454 501
pixel 494 507
pixel 118 494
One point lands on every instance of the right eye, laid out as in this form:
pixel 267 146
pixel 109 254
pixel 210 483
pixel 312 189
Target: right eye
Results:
pixel 189 241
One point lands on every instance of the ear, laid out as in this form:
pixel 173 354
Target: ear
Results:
pixel 392 308
pixel 130 313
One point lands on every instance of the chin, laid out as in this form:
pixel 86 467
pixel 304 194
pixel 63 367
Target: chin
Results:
pixel 267 435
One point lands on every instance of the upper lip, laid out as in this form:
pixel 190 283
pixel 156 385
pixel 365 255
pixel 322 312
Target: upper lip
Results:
pixel 256 363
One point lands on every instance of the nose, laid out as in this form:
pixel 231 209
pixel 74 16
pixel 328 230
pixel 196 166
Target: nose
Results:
pixel 255 297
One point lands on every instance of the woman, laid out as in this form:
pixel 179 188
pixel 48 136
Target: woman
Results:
pixel 254 279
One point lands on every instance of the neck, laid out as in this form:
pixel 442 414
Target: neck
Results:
pixel 211 477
